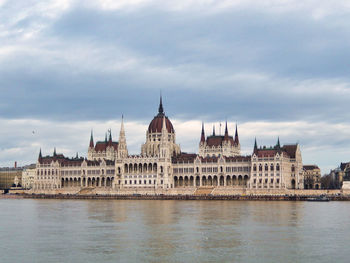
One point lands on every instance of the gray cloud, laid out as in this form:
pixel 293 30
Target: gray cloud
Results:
pixel 80 62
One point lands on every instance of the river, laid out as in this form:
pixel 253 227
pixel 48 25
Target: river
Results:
pixel 173 231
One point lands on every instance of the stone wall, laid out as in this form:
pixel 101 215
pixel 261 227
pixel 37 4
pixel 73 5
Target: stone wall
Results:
pixel 219 191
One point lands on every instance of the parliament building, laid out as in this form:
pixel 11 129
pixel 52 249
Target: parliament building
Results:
pixel 161 163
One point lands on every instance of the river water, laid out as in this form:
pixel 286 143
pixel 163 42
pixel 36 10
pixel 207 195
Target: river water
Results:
pixel 173 231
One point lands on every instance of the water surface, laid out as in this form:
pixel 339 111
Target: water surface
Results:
pixel 173 231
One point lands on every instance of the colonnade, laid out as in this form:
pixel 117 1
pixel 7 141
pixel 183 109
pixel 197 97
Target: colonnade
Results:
pixel 211 180
pixel 87 182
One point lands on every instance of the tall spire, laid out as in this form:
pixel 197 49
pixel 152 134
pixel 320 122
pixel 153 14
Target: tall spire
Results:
pixel 236 135
pixel 213 129
pixel 122 131
pixel 164 129
pixel 278 143
pixel 122 148
pixel 40 156
pixel 160 109
pixel 255 145
pixel 203 134
pixel 54 152
pixel 91 145
pixel 226 131
pixel 106 137
pixel 110 135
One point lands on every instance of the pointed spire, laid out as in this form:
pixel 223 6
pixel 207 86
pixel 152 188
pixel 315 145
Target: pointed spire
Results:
pixel 164 129
pixel 122 125
pixel 122 148
pixel 236 136
pixel 54 152
pixel 278 145
pixel 226 131
pixel 40 155
pixel 202 134
pixel 106 137
pixel 160 109
pixel 213 129
pixel 91 145
pixel 255 146
pixel 110 135
pixel 77 157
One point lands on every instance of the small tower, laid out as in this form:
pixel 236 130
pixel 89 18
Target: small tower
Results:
pixel 122 147
pixel 91 149
pixel 236 136
pixel 40 156
pixel 91 145
pixel 278 145
pixel 226 132
pixel 202 134
pixel 164 149
pixel 255 146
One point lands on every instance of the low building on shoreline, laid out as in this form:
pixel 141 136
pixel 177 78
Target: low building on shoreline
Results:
pixel 10 175
pixel 28 176
pixel 162 165
pixel 312 177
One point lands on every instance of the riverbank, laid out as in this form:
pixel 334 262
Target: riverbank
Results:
pixel 180 194
pixel 286 197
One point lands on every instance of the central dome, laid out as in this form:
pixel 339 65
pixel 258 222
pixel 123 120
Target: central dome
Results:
pixel 156 124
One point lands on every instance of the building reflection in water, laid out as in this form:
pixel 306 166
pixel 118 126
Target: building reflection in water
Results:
pixel 175 231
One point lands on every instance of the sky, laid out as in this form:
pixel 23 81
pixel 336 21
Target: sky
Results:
pixel 276 68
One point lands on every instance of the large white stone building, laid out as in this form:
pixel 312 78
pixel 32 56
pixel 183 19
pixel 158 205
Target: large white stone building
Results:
pixel 161 164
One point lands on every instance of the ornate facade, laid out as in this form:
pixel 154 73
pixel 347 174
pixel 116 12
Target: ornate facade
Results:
pixel 161 164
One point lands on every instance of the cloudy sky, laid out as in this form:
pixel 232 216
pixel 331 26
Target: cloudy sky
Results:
pixel 277 68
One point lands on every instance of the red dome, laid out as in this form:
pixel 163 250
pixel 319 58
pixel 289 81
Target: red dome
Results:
pixel 156 124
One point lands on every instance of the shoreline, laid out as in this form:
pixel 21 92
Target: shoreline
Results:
pixel 172 197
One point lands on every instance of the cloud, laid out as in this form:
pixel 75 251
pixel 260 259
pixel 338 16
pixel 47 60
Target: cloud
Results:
pixel 21 139
pixel 87 62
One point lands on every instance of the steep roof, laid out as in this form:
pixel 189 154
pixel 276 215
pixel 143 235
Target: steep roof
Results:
pixel 101 146
pixel 217 140
pixel 184 158
pixel 310 167
pixel 287 150
pixel 62 160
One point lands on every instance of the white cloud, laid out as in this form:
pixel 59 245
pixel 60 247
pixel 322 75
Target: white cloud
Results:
pixel 22 138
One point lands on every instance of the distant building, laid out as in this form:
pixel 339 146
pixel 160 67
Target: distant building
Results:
pixel 28 176
pixel 161 164
pixel 312 177
pixel 8 176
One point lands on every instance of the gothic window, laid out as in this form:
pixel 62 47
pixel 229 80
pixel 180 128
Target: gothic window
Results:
pixel 277 167
pixel 260 167
pixel 271 167
pixel 266 167
pixel 254 168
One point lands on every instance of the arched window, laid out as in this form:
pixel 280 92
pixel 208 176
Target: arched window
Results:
pixel 277 167
pixel 271 167
pixel 266 167
pixel 260 167
pixel 293 168
pixel 254 168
